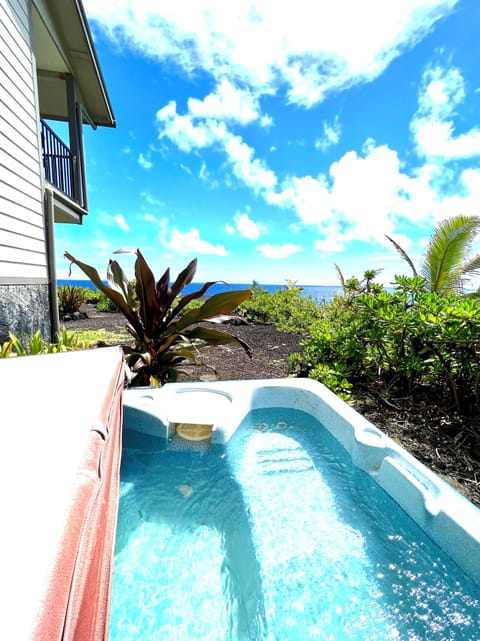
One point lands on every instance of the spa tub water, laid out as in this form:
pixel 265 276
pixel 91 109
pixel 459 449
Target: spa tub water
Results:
pixel 274 536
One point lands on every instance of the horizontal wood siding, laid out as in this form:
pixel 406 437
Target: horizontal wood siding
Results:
pixel 12 272
pixel 21 155
pixel 22 229
pixel 9 240
pixel 9 255
pixel 19 9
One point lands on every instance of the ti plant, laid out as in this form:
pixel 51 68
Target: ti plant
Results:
pixel 165 333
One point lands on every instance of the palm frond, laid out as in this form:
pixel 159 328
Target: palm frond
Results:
pixel 472 266
pixel 403 254
pixel 443 263
pixel 340 277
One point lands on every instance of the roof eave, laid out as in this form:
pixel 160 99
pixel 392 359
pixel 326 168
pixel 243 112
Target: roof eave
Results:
pixel 109 121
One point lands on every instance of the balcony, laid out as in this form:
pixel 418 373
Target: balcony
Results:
pixel 64 171
pixel 57 161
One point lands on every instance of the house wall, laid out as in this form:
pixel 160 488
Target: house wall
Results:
pixel 24 292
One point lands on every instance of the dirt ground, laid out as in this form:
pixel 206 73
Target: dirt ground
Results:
pixel 424 426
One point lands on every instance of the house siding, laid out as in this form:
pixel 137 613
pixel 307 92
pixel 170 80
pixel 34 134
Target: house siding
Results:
pixel 24 293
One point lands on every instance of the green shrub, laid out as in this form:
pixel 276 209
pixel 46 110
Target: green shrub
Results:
pixel 90 295
pixel 164 334
pixel 66 342
pixel 70 299
pixel 404 340
pixel 104 304
pixel 191 305
pixel 286 308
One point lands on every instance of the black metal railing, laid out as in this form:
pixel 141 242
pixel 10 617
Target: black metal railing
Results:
pixel 57 161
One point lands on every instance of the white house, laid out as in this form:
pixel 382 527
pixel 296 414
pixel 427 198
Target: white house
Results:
pixel 48 71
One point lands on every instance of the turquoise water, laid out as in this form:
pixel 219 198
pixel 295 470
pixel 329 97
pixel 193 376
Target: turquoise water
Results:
pixel 275 536
pixel 319 292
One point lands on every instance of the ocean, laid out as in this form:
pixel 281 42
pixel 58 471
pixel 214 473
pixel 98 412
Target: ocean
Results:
pixel 319 292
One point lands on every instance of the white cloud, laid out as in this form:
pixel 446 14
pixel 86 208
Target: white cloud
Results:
pixel 329 245
pixel 189 133
pixel 464 199
pixel 122 223
pixel 361 199
pixel 203 174
pixel 266 121
pixel 152 200
pixel 328 46
pixel 108 220
pixel 366 194
pixel 249 170
pixel 278 252
pixel 181 243
pixel 364 197
pixel 185 133
pixel 162 223
pixel 205 123
pixel 330 136
pixel 228 102
pixel 255 49
pixel 144 162
pixel 186 243
pixel 433 126
pixel 246 227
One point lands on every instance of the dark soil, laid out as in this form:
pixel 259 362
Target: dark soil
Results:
pixel 424 426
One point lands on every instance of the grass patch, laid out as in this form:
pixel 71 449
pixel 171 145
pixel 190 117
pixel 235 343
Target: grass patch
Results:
pixel 105 336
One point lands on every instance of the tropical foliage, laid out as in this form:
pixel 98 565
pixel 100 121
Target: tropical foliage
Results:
pixel 353 286
pixel 446 264
pixel 165 335
pixel 66 342
pixel 400 342
pixel 70 299
pixel 287 309
pixel 105 304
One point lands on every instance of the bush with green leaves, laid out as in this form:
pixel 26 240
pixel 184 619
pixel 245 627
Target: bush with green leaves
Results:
pixel 401 341
pixel 90 295
pixel 32 345
pixel 287 309
pixel 105 304
pixel 70 299
pixel 165 335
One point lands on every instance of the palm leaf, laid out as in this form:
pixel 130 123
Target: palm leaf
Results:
pixel 403 254
pixel 340 277
pixel 444 260
pixel 472 266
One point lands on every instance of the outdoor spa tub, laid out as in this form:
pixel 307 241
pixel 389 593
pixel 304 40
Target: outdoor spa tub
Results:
pixel 270 510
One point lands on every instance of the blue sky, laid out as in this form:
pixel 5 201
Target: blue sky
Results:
pixel 272 140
